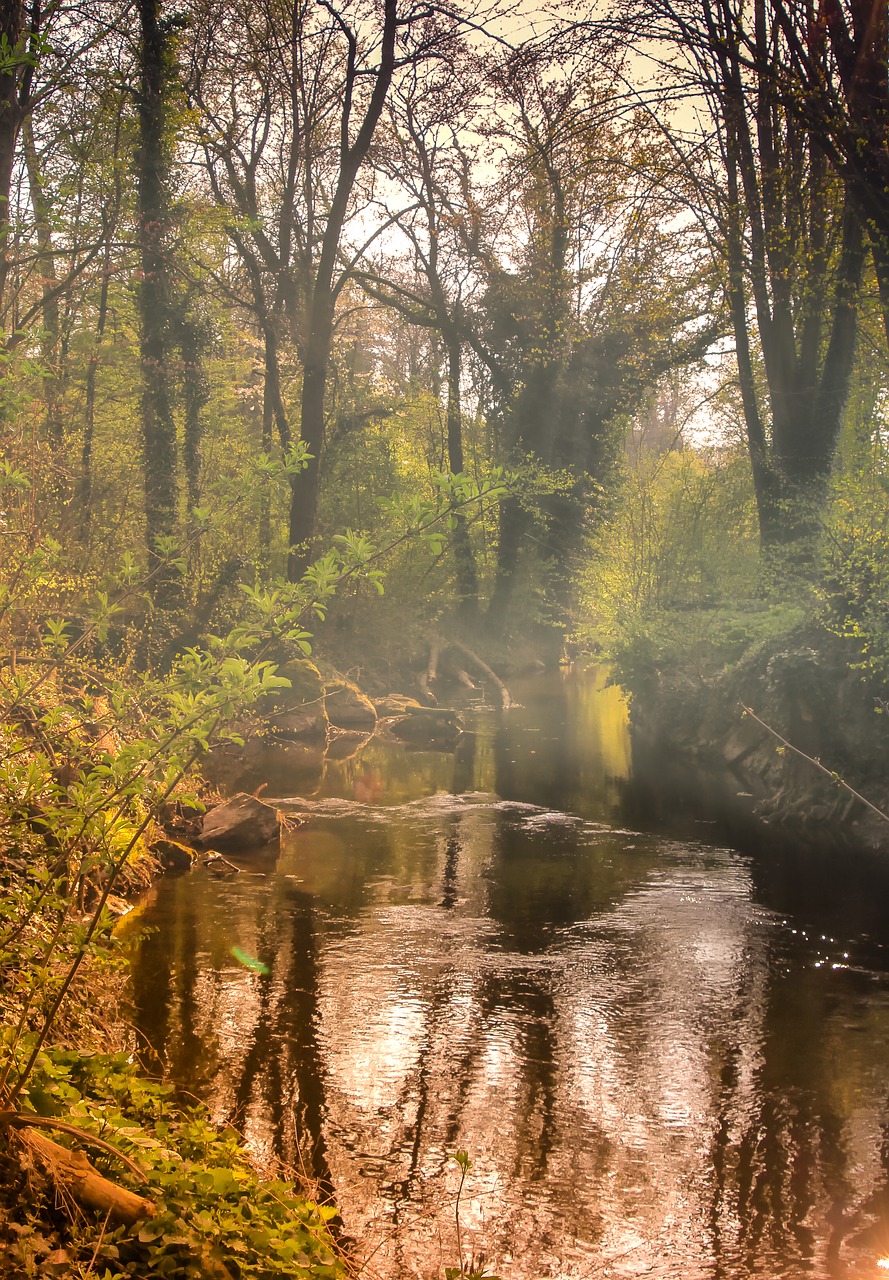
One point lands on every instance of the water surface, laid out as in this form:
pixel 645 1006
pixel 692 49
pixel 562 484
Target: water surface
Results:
pixel 664 1057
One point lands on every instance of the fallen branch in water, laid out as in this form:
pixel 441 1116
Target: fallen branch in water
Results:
pixel 815 762
pixel 216 859
pixel 505 700
pixel 430 675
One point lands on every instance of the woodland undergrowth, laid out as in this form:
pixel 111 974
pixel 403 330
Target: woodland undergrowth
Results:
pixel 100 735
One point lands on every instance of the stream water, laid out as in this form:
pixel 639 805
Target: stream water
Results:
pixel 664 1056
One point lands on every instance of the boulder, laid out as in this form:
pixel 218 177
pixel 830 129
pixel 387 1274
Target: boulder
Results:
pixel 243 822
pixel 297 712
pixel 172 855
pixel 435 727
pixel 117 907
pixel 349 708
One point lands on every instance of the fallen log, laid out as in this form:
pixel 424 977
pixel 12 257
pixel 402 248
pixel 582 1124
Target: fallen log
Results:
pixel 73 1175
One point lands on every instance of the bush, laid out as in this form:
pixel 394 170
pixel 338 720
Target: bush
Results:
pixel 681 536
pixel 214 1215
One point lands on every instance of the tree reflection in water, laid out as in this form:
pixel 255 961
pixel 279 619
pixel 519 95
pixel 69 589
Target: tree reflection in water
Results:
pixel 652 1070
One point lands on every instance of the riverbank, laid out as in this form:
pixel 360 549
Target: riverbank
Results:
pixel 104 1170
pixel 792 723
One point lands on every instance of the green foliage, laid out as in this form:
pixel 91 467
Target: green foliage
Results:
pixel 676 583
pixel 212 1207
pixel 99 729
pixel 680 535
pixel 702 642
pixel 93 746
pixel 855 574
pixel 470 1270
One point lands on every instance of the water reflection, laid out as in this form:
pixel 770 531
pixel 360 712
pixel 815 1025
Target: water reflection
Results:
pixel 657 1065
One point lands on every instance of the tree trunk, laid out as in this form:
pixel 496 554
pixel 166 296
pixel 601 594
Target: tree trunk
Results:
pixel 776 226
pixel 304 484
pixel 12 21
pixel 325 288
pixel 265 497
pixel 46 257
pixel 158 426
pixel 513 525
pixel 192 342
pixel 467 577
pixel 86 459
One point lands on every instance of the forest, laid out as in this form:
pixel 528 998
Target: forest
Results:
pixel 401 346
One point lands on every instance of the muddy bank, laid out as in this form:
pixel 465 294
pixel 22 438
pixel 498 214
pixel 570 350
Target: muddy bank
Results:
pixel 691 732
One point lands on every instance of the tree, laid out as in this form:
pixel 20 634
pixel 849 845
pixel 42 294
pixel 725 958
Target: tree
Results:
pixel 598 298
pixel 429 167
pixel 289 174
pixel 20 37
pixel 790 243
pixel 159 442
pixel 833 78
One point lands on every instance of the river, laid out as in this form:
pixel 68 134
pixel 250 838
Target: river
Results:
pixel 664 1056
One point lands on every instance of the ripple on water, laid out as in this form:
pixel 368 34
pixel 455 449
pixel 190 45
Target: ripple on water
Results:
pixel 649 1073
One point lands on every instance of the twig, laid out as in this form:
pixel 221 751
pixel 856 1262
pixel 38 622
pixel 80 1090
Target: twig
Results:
pixel 99 1242
pixel 812 760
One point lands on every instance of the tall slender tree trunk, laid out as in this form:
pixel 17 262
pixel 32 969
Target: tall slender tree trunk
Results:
pixel 110 218
pixel 158 426
pixel 326 286
pixel 86 457
pixel 467 577
pixel 192 343
pixel 304 485
pixel 46 257
pixel 513 525
pixel 12 24
pixel 270 393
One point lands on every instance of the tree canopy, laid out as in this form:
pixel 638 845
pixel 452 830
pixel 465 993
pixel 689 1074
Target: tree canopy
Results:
pixel 318 254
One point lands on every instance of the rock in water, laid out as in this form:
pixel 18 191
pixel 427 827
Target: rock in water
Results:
pixel 297 712
pixel 348 707
pixel 396 704
pixel 434 727
pixel 172 855
pixel 242 822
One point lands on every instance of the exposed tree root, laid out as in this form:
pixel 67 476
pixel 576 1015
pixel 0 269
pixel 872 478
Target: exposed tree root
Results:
pixel 505 700
pixel 430 675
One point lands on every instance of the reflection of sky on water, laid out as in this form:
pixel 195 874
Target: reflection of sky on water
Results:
pixel 649 1072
